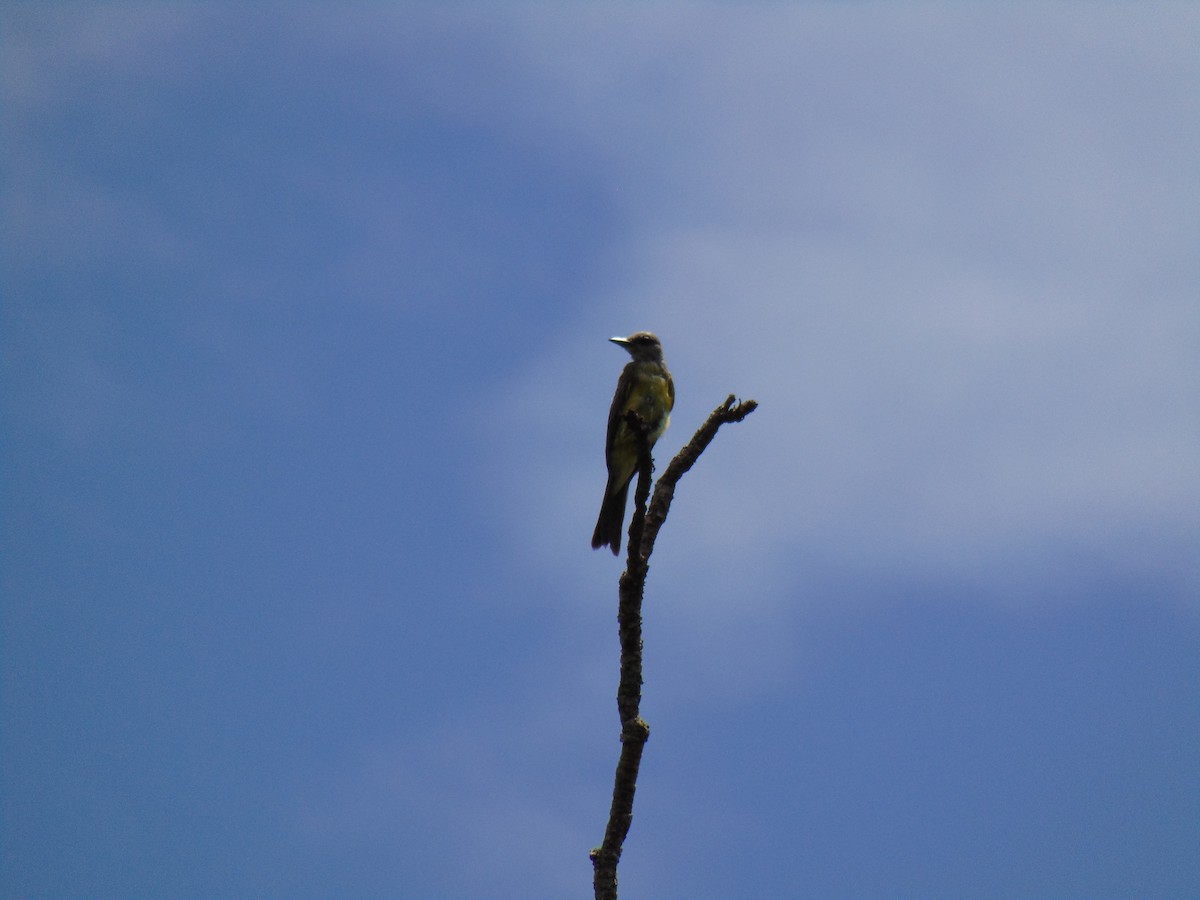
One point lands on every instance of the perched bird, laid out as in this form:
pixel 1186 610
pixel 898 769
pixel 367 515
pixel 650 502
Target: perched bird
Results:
pixel 645 386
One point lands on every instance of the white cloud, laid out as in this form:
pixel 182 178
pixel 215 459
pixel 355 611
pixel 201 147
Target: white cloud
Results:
pixel 948 252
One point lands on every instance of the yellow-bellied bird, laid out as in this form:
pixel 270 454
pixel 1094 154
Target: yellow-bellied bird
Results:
pixel 645 386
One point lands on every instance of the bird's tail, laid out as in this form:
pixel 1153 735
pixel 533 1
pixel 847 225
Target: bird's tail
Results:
pixel 612 517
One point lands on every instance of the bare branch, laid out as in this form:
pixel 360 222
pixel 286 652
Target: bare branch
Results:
pixel 664 491
pixel 643 530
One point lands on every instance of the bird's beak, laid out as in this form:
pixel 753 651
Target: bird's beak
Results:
pixel 624 342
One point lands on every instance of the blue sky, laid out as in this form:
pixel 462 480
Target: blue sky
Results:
pixel 303 328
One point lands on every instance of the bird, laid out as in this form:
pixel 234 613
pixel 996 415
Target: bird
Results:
pixel 646 388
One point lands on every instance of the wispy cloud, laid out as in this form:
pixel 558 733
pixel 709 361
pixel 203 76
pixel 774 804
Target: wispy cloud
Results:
pixel 953 268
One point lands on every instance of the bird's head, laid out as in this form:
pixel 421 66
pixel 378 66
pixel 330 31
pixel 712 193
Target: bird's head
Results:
pixel 642 346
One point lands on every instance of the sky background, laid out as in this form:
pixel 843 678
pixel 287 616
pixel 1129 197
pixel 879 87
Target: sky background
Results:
pixel 304 320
